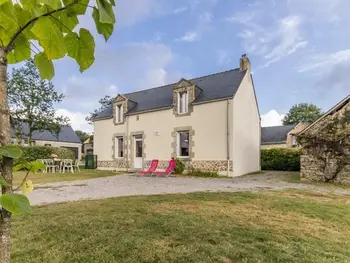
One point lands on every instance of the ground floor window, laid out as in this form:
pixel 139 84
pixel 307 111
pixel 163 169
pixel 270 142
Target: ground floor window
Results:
pixel 183 145
pixel 119 147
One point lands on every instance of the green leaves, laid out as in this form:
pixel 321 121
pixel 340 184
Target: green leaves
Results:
pixel 10 151
pixel 15 203
pixel 24 20
pixel 3 181
pixel 50 38
pixel 3 1
pixel 106 12
pixel 55 4
pixel 21 51
pixel 102 28
pixel 44 65
pixel 33 167
pixel 8 22
pixel 77 9
pixel 81 48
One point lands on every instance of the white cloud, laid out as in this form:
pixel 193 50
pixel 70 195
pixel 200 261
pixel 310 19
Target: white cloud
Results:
pixel 273 41
pixel 180 10
pixel 322 61
pixel 77 120
pixel 289 39
pixel 189 37
pixel 271 118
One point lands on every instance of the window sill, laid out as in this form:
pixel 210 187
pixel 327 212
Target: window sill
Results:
pixel 183 157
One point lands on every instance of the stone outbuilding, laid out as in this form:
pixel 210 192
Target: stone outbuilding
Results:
pixel 326 146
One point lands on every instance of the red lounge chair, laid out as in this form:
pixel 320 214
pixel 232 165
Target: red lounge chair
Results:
pixel 151 169
pixel 169 170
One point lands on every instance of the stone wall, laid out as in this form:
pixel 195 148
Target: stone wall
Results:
pixel 326 145
pixel 205 166
pixel 116 164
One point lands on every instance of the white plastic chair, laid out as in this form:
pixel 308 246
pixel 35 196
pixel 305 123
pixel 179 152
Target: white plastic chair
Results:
pixel 76 165
pixel 50 164
pixel 67 164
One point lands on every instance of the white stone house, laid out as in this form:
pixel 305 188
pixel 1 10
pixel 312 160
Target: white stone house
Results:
pixel 212 123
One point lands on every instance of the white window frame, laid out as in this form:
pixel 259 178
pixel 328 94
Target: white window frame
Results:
pixel 184 104
pixel 116 147
pixel 120 114
pixel 294 140
pixel 178 145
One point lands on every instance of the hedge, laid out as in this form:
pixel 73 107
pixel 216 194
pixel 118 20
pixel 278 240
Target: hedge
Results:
pixel 43 152
pixel 280 159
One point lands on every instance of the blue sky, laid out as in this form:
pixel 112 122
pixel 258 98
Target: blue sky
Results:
pixel 299 49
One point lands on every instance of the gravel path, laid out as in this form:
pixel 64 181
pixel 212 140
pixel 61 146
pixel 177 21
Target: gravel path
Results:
pixel 127 185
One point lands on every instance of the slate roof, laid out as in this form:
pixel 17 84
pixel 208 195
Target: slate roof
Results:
pixel 275 134
pixel 216 86
pixel 67 134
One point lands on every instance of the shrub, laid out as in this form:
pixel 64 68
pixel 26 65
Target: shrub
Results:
pixel 199 173
pixel 280 159
pixel 43 152
pixel 180 166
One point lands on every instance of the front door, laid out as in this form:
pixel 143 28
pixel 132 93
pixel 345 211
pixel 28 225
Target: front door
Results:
pixel 138 150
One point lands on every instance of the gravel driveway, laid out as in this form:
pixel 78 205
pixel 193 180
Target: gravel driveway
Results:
pixel 127 185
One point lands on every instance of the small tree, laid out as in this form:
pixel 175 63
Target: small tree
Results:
pixel 31 102
pixel 302 112
pixel 105 102
pixel 83 136
pixel 24 24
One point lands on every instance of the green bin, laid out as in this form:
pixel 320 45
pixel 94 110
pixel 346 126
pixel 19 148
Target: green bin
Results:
pixel 90 161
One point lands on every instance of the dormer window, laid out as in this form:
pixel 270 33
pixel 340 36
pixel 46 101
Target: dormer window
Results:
pixel 120 114
pixel 182 102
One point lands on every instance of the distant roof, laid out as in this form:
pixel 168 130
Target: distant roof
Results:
pixel 216 86
pixel 275 134
pixel 67 134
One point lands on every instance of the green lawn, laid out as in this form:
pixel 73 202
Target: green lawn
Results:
pixel 42 178
pixel 286 226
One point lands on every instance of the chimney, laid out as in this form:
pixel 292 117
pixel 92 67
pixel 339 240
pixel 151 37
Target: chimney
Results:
pixel 244 63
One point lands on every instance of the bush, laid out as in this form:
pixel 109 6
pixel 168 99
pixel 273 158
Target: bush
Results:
pixel 180 166
pixel 280 159
pixel 43 152
pixel 199 173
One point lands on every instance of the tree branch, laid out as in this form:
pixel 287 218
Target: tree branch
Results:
pixel 13 38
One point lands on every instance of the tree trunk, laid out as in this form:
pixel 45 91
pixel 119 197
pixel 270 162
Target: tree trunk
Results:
pixel 5 139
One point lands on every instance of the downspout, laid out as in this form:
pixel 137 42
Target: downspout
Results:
pixel 228 136
pixel 127 143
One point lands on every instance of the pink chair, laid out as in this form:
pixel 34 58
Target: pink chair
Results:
pixel 169 170
pixel 151 169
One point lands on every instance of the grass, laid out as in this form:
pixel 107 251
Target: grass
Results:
pixel 42 178
pixel 294 177
pixel 274 226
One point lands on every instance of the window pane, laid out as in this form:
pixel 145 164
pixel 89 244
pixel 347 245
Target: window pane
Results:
pixel 138 148
pixel 120 147
pixel 184 143
pixel 119 113
pixel 181 102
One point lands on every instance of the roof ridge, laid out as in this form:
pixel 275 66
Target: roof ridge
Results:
pixel 205 76
pixel 279 126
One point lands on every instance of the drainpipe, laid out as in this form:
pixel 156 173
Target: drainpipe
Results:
pixel 228 136
pixel 127 142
